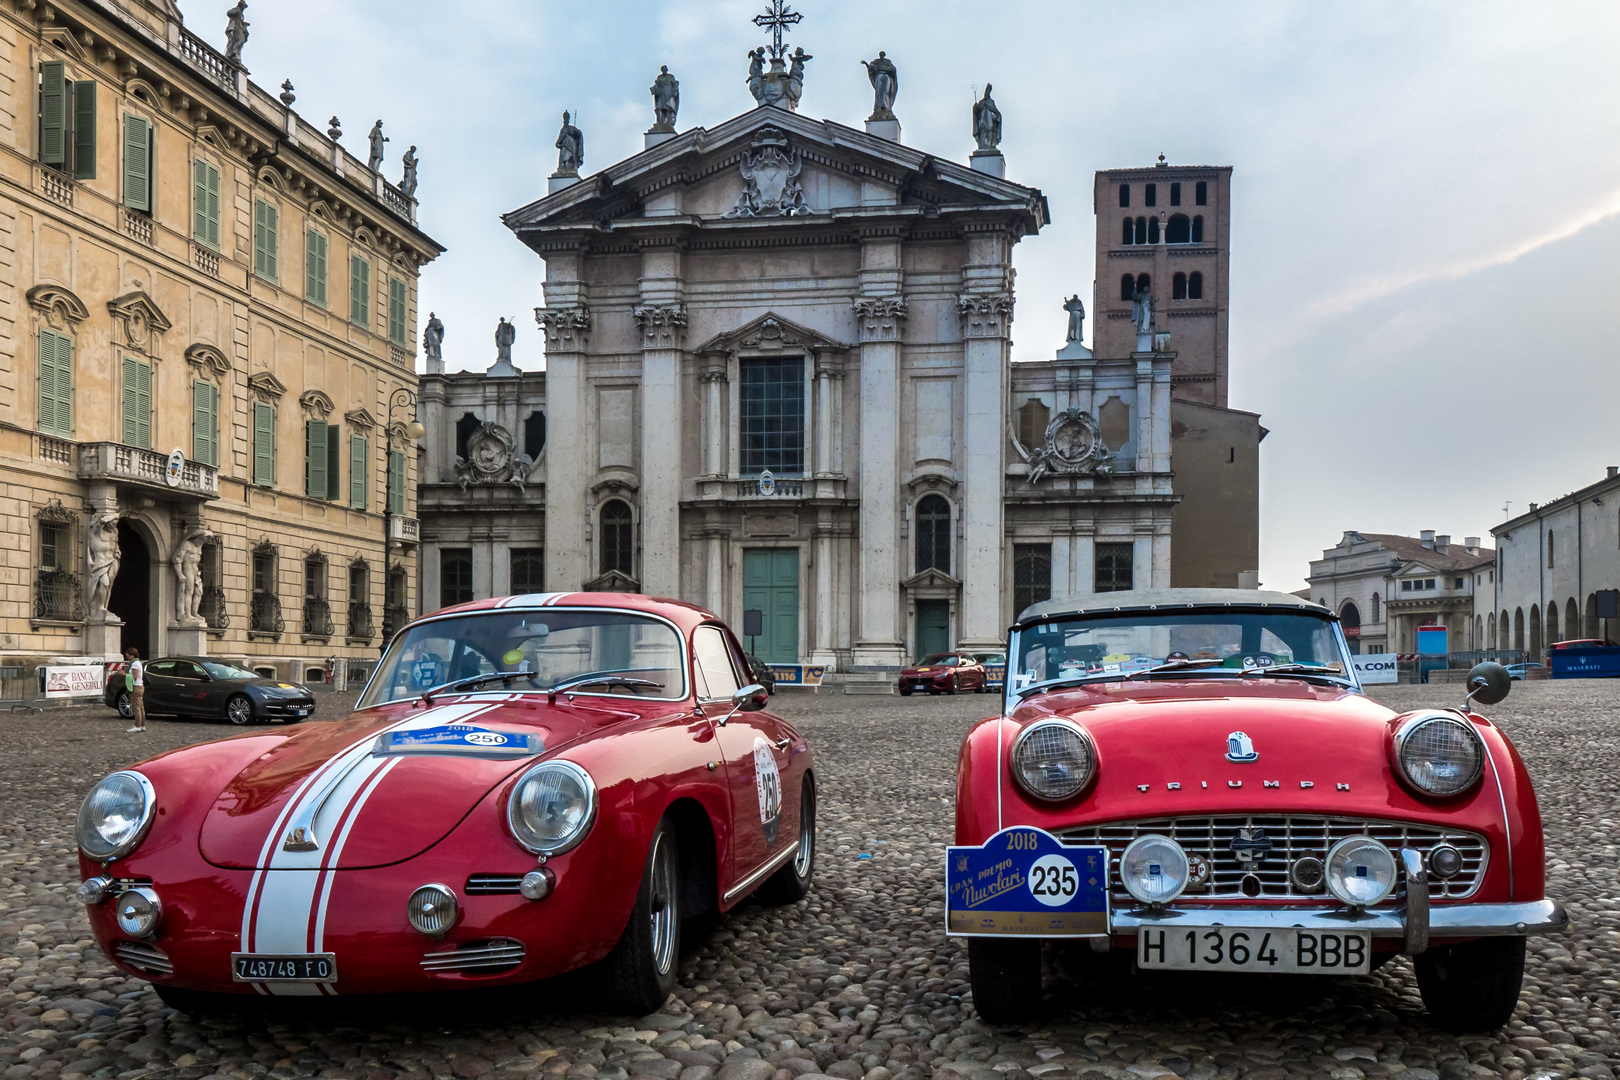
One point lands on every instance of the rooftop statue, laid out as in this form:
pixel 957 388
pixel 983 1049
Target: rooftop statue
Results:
pixel 570 148
pixel 885 84
pixel 376 139
pixel 1077 316
pixel 986 122
pixel 433 338
pixel 505 335
pixel 407 181
pixel 666 94
pixel 236 32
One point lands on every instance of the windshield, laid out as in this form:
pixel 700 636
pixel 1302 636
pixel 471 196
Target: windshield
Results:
pixel 226 671
pixel 1220 641
pixel 941 659
pixel 548 648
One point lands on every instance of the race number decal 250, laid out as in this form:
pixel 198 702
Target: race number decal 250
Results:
pixel 1023 882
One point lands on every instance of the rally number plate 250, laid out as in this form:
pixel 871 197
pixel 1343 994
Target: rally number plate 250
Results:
pixel 1022 882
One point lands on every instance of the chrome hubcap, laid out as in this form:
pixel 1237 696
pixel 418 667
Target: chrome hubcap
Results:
pixel 663 913
pixel 807 836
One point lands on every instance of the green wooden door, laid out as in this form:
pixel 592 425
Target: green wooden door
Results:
pixel 933 627
pixel 771 585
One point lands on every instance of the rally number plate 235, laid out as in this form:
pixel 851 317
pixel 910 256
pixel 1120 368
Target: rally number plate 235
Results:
pixel 1282 951
pixel 1023 882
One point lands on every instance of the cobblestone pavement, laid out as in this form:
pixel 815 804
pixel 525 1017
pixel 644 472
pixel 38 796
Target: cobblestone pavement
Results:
pixel 858 981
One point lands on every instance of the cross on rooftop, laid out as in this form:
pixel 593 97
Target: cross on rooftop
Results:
pixel 776 18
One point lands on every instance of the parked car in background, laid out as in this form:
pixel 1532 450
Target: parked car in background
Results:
pixel 199 688
pixel 1520 672
pixel 1579 643
pixel 943 673
pixel 529 786
pixel 1195 775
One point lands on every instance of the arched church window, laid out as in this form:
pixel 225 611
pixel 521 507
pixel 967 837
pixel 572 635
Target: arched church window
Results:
pixel 1178 287
pixel 1198 229
pixel 534 434
pixel 618 538
pixel 1124 194
pixel 1195 286
pixel 1178 230
pixel 1375 603
pixel 1129 232
pixel 1153 230
pixel 464 431
pixel 934 535
pixel 1127 288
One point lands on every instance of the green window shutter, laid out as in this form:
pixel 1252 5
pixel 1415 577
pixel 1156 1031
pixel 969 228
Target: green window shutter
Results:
pixel 264 444
pixel 396 482
pixel 334 456
pixel 55 383
pixel 53 118
pixel 143 405
pixel 205 423
pixel 137 164
pixel 359 291
pixel 396 311
pixel 315 459
pixel 359 470
pixel 213 207
pixel 265 221
pixel 315 268
pixel 273 237
pixel 131 417
pixel 205 204
pixel 84 130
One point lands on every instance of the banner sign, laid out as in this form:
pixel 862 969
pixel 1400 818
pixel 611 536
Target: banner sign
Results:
pixel 798 674
pixel 1023 883
pixel 1372 668
pixel 1599 663
pixel 995 676
pixel 84 680
pixel 1431 641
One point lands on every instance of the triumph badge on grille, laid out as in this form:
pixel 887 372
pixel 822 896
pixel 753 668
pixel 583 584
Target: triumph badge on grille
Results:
pixel 1251 846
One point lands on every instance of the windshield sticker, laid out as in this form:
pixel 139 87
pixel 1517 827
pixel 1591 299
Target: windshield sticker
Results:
pixel 425 673
pixel 514 656
pixel 768 785
pixel 458 741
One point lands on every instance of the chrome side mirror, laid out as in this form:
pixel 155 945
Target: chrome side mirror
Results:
pixel 750 698
pixel 1488 683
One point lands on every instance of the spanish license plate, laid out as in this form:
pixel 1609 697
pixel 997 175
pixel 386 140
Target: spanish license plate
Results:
pixel 296 967
pixel 1288 951
pixel 303 711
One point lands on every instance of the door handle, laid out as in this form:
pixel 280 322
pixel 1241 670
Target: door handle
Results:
pixel 783 744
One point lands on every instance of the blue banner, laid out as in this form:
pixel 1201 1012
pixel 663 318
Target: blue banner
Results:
pixel 1598 663
pixel 1023 882
pixel 797 674
pixel 995 676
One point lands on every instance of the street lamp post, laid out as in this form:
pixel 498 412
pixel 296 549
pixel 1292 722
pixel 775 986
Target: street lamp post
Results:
pixel 402 399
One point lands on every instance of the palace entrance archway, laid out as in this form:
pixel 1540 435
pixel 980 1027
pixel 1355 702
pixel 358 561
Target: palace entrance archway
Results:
pixel 131 598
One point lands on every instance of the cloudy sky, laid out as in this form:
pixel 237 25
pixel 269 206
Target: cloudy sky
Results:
pixel 1426 197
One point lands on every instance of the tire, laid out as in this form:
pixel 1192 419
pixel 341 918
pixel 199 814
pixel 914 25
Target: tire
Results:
pixel 1006 978
pixel 791 883
pixel 1473 986
pixel 905 691
pixel 239 710
pixel 639 974
pixel 121 703
pixel 956 684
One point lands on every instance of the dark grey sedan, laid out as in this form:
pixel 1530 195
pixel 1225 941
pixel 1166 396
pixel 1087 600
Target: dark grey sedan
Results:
pixel 200 688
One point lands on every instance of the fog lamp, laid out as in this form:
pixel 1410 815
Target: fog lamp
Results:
pixel 1153 869
pixel 139 911
pixel 1445 862
pixel 432 909
pixel 537 884
pixel 93 890
pixel 1360 871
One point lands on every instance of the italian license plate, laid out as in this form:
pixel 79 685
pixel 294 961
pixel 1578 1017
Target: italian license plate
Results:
pixel 296 967
pixel 1288 951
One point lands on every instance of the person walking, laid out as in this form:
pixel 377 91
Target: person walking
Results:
pixel 135 674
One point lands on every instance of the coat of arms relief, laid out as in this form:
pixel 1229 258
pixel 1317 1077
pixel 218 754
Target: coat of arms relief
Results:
pixel 770 172
pixel 1073 447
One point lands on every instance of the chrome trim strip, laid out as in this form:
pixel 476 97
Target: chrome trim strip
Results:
pixel 1507 828
pixel 774 863
pixel 1447 920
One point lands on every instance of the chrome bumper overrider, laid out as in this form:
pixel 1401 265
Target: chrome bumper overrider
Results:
pixel 1444 920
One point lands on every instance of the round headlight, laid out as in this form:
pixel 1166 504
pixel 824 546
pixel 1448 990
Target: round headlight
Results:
pixel 552 807
pixel 1440 755
pixel 1053 759
pixel 432 909
pixel 115 816
pixel 139 911
pixel 1153 869
pixel 1360 871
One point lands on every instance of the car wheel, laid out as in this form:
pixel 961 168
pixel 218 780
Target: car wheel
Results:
pixel 956 684
pixel 905 691
pixel 791 884
pixel 1473 986
pixel 121 703
pixel 239 711
pixel 639 974
pixel 1006 978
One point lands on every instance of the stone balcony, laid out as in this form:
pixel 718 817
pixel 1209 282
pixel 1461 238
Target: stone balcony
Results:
pixel 406 530
pixel 778 489
pixel 147 469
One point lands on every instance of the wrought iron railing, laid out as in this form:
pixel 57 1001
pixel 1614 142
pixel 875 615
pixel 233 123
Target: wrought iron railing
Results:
pixel 394 617
pixel 213 608
pixel 360 623
pixel 317 617
pixel 207 60
pixel 58 596
pixel 266 614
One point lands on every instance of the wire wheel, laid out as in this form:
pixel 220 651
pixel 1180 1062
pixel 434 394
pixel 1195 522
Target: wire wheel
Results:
pixel 662 911
pixel 239 710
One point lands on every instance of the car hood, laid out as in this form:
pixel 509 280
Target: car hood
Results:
pixel 926 669
pixel 274 689
pixel 361 805
pixel 1304 747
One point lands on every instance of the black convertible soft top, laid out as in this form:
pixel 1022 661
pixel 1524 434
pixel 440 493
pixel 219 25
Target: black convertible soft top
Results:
pixel 1165 600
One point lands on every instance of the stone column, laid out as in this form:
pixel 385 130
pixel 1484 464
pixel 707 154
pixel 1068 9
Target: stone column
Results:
pixel 986 321
pixel 566 322
pixel 880 319
pixel 714 431
pixel 662 329
pixel 821 648
pixel 714 557
pixel 1144 415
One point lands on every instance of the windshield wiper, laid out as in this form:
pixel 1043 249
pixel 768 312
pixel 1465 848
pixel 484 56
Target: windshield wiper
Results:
pixel 1175 666
pixel 599 677
pixel 472 681
pixel 1304 671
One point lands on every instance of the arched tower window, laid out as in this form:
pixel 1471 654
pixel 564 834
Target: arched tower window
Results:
pixel 1195 286
pixel 1127 288
pixel 1128 234
pixel 534 434
pixel 1198 229
pixel 1178 286
pixel 1375 603
pixel 1178 230
pixel 1143 283
pixel 1153 230
pixel 1124 194
pixel 934 535
pixel 1201 193
pixel 618 538
pixel 1175 193
pixel 1141 230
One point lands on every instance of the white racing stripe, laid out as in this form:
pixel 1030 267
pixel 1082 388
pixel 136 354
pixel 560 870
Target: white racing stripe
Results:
pixel 284 911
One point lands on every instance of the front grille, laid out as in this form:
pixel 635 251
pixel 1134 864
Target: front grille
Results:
pixel 1292 837
pixel 486 957
pixel 493 884
pixel 138 954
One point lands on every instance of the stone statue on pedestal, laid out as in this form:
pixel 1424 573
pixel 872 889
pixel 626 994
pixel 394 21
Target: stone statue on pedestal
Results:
pixel 236 32
pixel 104 558
pixel 433 338
pixel 505 335
pixel 570 148
pixel 1077 316
pixel 1142 316
pixel 885 81
pixel 987 122
pixel 187 565
pixel 376 138
pixel 666 94
pixel 407 181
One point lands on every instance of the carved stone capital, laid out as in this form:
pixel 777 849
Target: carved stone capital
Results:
pixel 881 319
pixel 565 327
pixel 663 326
pixel 985 315
pixel 715 375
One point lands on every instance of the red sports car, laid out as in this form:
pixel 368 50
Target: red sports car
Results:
pixel 943 673
pixel 530 785
pixel 1194 774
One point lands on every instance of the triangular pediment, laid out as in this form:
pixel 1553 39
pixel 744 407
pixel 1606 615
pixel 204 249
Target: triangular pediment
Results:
pixel 931 579
pixel 698 178
pixel 141 306
pixel 770 333
pixel 613 581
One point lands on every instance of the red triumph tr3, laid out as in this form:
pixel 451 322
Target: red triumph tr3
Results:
pixel 1195 775
pixel 529 785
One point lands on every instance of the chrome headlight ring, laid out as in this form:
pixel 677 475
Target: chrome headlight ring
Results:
pixel 88 826
pixel 1064 779
pixel 1422 735
pixel 567 774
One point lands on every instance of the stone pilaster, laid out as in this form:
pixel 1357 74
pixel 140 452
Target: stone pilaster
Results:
pixel 986 325
pixel 878 637
pixel 661 319
pixel 568 446
pixel 714 428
